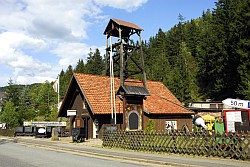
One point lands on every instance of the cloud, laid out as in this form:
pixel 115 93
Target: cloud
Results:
pixel 60 19
pixel 70 53
pixel 43 28
pixel 25 79
pixel 57 19
pixel 12 46
pixel 12 55
pixel 128 5
pixel 30 29
pixel 12 16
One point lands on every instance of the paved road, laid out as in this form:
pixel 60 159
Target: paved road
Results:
pixel 16 155
pixel 153 159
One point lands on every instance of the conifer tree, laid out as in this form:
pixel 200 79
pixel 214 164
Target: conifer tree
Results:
pixel 27 107
pixel 95 63
pixel 13 93
pixel 65 80
pixel 80 67
pixel 243 50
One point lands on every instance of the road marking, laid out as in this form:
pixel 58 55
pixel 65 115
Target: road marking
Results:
pixel 155 163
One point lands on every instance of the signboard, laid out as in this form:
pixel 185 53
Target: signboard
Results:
pixel 171 125
pixel 71 112
pixel 44 123
pixel 231 118
pixel 3 126
pixel 237 103
pixel 234 116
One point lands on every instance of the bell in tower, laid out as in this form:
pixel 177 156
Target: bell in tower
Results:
pixel 124 59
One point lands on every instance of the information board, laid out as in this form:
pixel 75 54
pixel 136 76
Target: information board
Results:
pixel 231 118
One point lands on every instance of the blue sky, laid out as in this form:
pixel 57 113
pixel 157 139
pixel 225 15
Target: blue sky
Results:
pixel 40 38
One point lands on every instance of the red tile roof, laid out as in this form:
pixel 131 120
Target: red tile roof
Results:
pixel 96 90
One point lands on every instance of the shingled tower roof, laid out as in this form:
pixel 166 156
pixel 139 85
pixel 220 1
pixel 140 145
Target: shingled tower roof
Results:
pixel 126 27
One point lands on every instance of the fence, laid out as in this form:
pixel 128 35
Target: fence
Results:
pixel 196 143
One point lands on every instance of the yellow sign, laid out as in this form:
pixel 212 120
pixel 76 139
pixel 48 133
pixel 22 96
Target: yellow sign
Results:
pixel 44 123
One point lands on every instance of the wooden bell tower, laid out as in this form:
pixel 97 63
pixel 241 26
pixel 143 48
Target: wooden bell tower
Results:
pixel 124 59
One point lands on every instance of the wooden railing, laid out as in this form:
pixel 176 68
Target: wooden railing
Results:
pixel 196 143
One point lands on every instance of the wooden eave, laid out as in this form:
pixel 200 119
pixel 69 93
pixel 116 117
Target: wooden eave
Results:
pixel 113 26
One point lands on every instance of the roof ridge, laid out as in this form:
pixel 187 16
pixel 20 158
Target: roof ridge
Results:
pixel 94 75
pixel 128 79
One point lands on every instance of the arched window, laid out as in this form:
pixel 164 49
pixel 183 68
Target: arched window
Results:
pixel 133 119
